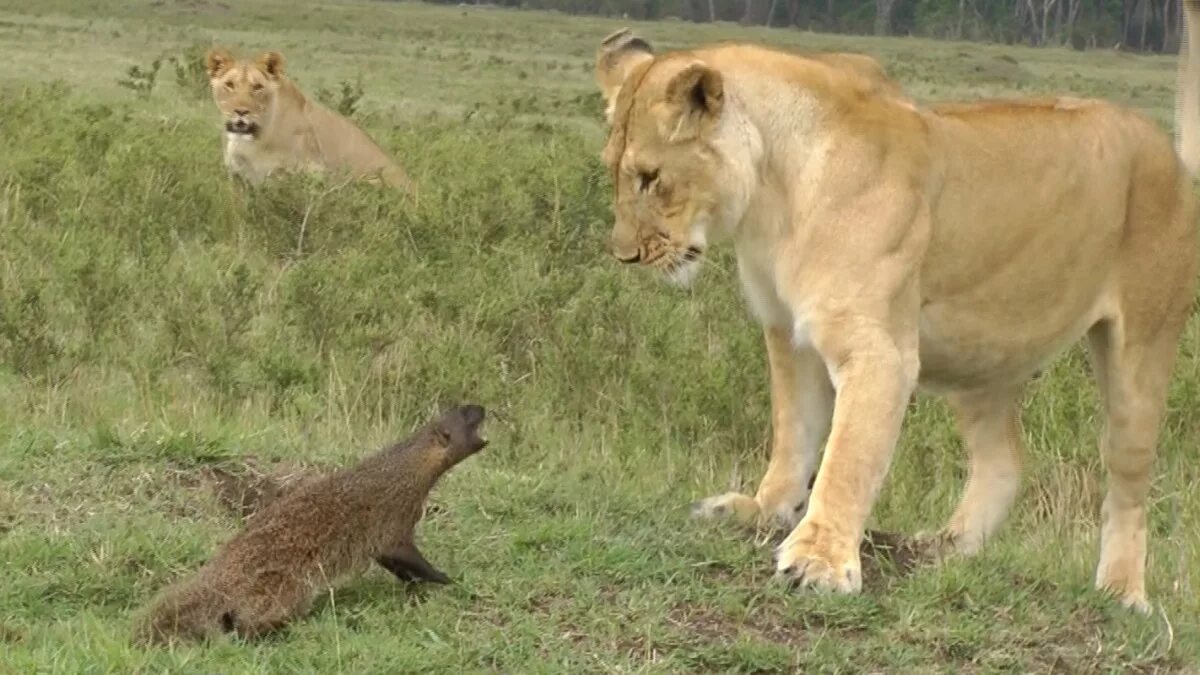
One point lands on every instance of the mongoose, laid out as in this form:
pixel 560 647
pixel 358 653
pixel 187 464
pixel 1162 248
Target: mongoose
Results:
pixel 307 539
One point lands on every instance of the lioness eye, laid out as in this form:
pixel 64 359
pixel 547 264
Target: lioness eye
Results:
pixel 646 179
pixel 256 87
pixel 229 85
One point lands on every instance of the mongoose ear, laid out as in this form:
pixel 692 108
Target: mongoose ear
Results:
pixel 441 435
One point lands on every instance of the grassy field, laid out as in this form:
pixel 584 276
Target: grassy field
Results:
pixel 157 320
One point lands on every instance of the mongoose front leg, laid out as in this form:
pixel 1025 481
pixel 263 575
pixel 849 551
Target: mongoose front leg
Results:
pixel 407 563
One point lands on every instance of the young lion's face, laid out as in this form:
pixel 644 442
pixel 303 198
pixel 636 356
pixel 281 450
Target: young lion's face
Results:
pixel 243 91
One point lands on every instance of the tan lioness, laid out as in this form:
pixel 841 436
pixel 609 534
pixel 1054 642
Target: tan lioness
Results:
pixel 882 246
pixel 271 125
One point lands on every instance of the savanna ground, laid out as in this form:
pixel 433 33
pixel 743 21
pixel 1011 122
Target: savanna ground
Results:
pixel 158 321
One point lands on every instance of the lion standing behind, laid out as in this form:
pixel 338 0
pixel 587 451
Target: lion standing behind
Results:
pixel 270 125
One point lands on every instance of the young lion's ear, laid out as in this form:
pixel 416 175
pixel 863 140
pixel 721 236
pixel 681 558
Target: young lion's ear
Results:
pixel 216 61
pixel 698 94
pixel 618 55
pixel 271 63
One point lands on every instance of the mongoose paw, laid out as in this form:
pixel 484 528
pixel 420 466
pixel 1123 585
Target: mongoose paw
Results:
pixel 408 564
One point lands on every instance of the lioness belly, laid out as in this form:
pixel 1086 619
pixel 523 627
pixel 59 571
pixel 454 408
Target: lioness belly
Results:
pixel 1021 306
pixel 963 349
pixel 1027 229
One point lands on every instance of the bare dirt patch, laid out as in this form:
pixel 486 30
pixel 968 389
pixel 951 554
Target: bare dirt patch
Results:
pixel 762 623
pixel 890 555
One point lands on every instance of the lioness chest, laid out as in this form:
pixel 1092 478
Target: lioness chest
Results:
pixel 245 157
pixel 254 159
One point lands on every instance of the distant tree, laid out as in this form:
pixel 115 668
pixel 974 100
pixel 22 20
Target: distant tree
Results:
pixel 1146 25
pixel 883 16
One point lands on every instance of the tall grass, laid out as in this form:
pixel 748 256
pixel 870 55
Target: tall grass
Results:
pixel 157 317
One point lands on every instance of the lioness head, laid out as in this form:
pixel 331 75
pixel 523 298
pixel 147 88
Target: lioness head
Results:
pixel 244 91
pixel 670 155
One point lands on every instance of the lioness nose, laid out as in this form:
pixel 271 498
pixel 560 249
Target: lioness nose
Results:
pixel 241 112
pixel 623 244
pixel 628 260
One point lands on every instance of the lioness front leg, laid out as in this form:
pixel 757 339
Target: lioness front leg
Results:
pixel 874 374
pixel 801 408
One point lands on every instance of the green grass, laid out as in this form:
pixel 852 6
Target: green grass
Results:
pixel 155 319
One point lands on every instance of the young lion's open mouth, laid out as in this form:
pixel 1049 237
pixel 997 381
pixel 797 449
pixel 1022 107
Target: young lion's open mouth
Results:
pixel 241 127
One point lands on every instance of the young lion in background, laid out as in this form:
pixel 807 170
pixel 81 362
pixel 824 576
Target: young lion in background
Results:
pixel 271 125
pixel 882 245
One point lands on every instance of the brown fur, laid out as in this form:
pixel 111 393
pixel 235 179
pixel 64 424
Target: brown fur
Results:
pixel 883 246
pixel 309 538
pixel 271 125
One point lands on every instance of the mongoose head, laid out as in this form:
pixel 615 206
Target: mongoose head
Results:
pixel 457 432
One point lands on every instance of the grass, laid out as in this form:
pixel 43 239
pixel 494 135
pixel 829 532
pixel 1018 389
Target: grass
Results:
pixel 157 320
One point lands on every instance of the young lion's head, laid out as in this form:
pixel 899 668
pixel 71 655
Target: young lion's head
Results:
pixel 244 91
pixel 677 165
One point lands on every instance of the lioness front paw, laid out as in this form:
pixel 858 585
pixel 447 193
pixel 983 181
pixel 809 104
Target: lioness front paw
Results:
pixel 944 544
pixel 812 557
pixel 1136 602
pixel 782 507
pixel 1124 584
pixel 732 505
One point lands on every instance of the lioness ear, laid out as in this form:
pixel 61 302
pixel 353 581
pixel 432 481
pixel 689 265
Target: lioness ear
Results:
pixel 271 63
pixel 698 93
pixel 216 61
pixel 618 55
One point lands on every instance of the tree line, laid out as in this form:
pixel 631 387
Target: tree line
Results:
pixel 1139 25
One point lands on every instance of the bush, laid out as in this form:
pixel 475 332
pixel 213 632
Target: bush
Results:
pixel 190 74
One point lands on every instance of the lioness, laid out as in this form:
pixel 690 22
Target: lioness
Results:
pixel 270 124
pixel 882 246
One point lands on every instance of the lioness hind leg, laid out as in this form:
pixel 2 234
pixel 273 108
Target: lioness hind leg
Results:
pixel 990 425
pixel 1133 352
pixel 801 412
pixel 1133 378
